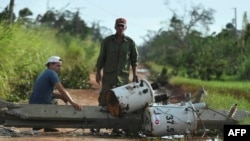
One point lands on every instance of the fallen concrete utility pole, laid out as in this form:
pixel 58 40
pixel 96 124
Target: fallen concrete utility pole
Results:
pixel 65 116
pixel 132 107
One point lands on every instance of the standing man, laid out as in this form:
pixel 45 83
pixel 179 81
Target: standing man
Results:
pixel 44 85
pixel 118 52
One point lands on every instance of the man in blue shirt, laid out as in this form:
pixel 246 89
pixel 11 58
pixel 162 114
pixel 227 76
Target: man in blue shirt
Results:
pixel 44 85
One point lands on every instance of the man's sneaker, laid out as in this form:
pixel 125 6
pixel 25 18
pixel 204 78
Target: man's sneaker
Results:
pixel 50 130
pixel 104 109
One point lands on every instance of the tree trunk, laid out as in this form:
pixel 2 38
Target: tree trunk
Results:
pixel 11 8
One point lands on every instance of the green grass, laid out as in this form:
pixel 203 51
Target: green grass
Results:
pixel 24 52
pixel 221 94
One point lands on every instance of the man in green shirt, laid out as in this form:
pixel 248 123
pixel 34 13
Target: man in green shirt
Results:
pixel 118 52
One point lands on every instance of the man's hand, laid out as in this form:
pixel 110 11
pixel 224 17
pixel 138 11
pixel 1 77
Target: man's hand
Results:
pixel 135 78
pixel 98 77
pixel 76 106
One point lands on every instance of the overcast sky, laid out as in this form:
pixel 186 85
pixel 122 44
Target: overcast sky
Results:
pixel 142 15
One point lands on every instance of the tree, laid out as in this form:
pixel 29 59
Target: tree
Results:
pixel 23 16
pixel 10 12
pixel 49 18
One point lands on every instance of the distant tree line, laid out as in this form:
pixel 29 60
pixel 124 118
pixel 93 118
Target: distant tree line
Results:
pixel 65 22
pixel 190 53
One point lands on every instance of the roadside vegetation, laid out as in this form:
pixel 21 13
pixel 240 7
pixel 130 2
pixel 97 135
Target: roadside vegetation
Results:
pixel 24 53
pixel 221 94
pixel 193 57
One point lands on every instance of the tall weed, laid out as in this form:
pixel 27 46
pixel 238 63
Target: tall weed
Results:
pixel 24 52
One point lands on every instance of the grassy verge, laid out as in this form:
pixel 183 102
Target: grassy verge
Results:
pixel 221 95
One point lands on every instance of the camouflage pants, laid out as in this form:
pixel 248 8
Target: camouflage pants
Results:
pixel 109 81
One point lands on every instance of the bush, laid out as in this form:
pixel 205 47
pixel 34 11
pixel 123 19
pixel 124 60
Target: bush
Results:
pixel 75 78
